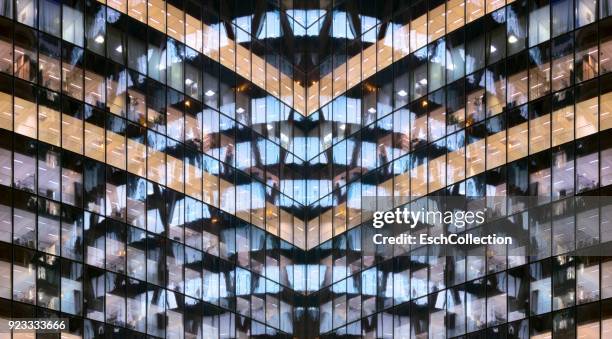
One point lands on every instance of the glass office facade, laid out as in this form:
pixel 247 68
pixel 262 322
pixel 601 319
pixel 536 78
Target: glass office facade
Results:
pixel 473 99
pixel 202 169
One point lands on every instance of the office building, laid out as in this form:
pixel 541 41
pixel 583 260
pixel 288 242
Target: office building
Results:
pixel 206 169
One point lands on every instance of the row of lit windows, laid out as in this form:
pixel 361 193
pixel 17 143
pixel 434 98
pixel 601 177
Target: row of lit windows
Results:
pixel 79 181
pixel 36 279
pixel 109 138
pixel 182 122
pixel 530 290
pixel 83 290
pixel 86 76
pixel 56 229
pixel 526 129
pixel 424 318
pixel 528 23
pixel 167 169
pixel 504 84
pixel 407 36
pixel 81 25
pixel 477 98
pixel 564 170
pixel 403 38
pixel 98 241
pixel 148 103
pixel 448 161
pixel 238 58
pixel 103 243
pixel 142 256
pixel 426 170
pixel 520 290
pixel 122 196
pixel 190 319
pixel 406 33
pixel 575 224
pixel 508 136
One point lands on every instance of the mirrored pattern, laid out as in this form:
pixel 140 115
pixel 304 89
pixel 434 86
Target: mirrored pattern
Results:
pixel 202 169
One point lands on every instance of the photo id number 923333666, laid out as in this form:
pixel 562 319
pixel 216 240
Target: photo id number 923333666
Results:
pixel 37 325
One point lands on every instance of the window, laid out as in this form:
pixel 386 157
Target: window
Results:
pixel 48 230
pixel 72 22
pixel 540 287
pixel 72 233
pixel 539 22
pixel 563 16
pixel 587 105
pixel 26 59
pixel 72 287
pixel 587 279
pixel 587 54
pixel 24 275
pixel 539 125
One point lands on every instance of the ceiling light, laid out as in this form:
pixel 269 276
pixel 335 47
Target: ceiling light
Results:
pixel 423 81
pixel 402 93
pixel 512 39
pixel 493 49
pixel 372 110
pixel 188 82
pixel 240 110
pixel 119 49
pixel 99 39
pixel 209 93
